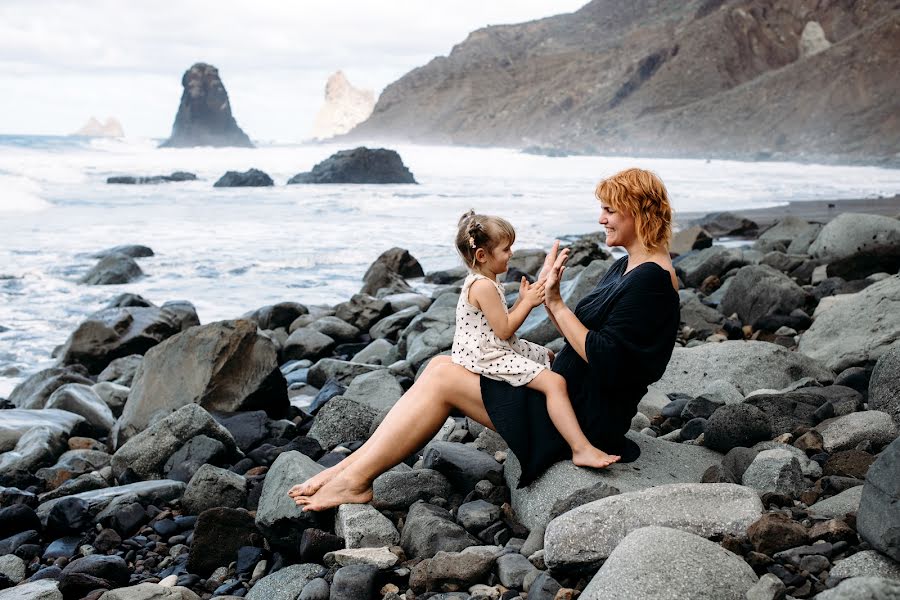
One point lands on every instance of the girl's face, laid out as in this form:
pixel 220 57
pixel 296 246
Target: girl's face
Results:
pixel 497 260
pixel 619 226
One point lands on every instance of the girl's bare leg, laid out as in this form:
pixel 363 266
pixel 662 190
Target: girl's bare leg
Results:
pixel 414 420
pixel 584 454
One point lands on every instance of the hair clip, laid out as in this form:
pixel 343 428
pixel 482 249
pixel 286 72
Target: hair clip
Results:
pixel 472 242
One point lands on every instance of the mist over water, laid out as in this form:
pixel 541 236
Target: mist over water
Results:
pixel 231 250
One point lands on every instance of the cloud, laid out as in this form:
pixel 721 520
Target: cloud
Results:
pixel 65 60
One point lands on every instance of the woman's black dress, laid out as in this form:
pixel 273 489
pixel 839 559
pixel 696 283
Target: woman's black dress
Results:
pixel 632 320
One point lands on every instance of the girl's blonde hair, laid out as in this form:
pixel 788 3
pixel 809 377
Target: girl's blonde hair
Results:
pixel 481 231
pixel 642 195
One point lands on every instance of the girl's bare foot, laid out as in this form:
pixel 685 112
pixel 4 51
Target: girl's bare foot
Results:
pixel 312 485
pixel 340 490
pixel 594 457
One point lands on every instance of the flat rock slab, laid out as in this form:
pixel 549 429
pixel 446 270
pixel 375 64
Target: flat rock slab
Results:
pixel 748 365
pixel 839 504
pixel 863 588
pixel 159 489
pixel 284 584
pixel 661 462
pixel 591 532
pixel 18 421
pixel 150 591
pixel 663 563
pixel 843 433
pixel 868 563
pixel 42 589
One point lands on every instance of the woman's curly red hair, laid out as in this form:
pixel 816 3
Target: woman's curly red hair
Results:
pixel 643 195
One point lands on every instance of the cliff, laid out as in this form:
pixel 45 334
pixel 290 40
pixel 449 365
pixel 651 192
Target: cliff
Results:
pixel 94 128
pixel 345 107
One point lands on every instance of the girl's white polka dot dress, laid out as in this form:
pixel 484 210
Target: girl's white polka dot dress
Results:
pixel 478 349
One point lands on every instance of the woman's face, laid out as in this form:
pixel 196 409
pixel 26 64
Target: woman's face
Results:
pixel 619 226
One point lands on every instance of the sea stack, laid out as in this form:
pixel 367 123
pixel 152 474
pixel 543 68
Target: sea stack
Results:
pixel 204 114
pixel 94 128
pixel 345 107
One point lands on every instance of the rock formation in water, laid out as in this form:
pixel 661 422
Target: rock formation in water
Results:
pixel 724 78
pixel 345 107
pixel 204 114
pixel 359 165
pixel 94 128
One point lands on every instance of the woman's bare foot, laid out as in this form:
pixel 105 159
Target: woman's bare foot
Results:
pixel 340 490
pixel 312 485
pixel 594 457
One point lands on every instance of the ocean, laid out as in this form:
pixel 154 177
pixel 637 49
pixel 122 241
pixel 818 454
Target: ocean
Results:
pixel 231 250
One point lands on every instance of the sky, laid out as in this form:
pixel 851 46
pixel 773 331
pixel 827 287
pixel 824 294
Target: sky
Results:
pixel 62 62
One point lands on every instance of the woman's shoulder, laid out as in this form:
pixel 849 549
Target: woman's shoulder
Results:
pixel 652 276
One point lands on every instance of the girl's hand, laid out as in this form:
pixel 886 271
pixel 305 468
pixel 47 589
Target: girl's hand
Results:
pixel 554 277
pixel 523 287
pixel 534 294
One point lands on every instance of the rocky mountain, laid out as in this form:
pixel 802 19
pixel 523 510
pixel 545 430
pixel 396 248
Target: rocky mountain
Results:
pixel 94 128
pixel 345 107
pixel 805 79
pixel 204 114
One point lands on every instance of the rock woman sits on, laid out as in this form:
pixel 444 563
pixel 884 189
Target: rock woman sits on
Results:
pixel 619 339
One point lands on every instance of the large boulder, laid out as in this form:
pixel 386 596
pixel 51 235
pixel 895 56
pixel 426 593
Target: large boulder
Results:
pixel 378 389
pixel 398 490
pixel 697 265
pixel 17 422
pixel 863 588
pixel 878 518
pixel 113 269
pixel 428 334
pixel 884 385
pixel 856 245
pixel 37 388
pixel 212 487
pixel 588 534
pixel 204 114
pixel 82 400
pixel 145 453
pixel 112 333
pixel 429 529
pixel 855 329
pixel 248 178
pixel 463 465
pixel 39 589
pixel 36 447
pixel 362 310
pixel 848 431
pixel 660 462
pixel 720 224
pixel 665 563
pixel 342 420
pixel 360 165
pixel 748 365
pixel 795 233
pixel 760 290
pixel 225 366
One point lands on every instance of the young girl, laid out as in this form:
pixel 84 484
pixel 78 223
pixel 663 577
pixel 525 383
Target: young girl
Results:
pixel 484 341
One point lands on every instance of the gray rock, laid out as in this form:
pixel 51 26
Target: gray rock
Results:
pixel 211 486
pixel 795 233
pixel 113 395
pixel 704 320
pixel 335 328
pixel 428 334
pixel 391 326
pixel 867 563
pixel 760 290
pixel 284 584
pixel 452 569
pixel 279 518
pixel 736 425
pixel 850 234
pixel 121 370
pixel 588 534
pixel 598 491
pixel 397 490
pixel 380 558
pixel 160 490
pixel 224 366
pixel 721 392
pixel 378 389
pixel 317 589
pixel 843 433
pixel 362 311
pixel 354 582
pixel 429 530
pixel 862 588
pixel 748 365
pixel 80 399
pixel 839 504
pixel 112 333
pixel 112 269
pixel 42 589
pixel 512 569
pixel 198 450
pixel 362 526
pixel 463 465
pixel 855 328
pixel 878 520
pixel 653 402
pixel 341 370
pixel 342 420
pixel 663 563
pixel 36 447
pixel 36 389
pixel 696 266
pixel 17 422
pixel 146 453
pixel 769 587
pixel 13 567
pixel 775 471
pixel 884 385
pixel 378 352
pixel 808 467
pixel 537 327
pixel 306 343
pixel 660 462
pixel 150 591
pixel 489 441
pixel 477 514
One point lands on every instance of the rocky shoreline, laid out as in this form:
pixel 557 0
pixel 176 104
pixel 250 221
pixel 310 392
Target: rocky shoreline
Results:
pixel 154 460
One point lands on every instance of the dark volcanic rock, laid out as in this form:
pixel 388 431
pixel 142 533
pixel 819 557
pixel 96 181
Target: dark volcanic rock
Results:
pixel 725 223
pixel 138 180
pixel 736 425
pixel 218 535
pixel 204 114
pixel 113 269
pixel 878 518
pixel 251 178
pixel 360 165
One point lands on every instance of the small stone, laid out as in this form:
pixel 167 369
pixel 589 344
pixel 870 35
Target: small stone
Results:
pixel 774 531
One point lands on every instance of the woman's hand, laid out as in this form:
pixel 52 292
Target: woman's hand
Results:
pixel 552 296
pixel 548 261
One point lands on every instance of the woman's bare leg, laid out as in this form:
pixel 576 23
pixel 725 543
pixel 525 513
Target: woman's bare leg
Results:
pixel 312 485
pixel 414 420
pixel 559 407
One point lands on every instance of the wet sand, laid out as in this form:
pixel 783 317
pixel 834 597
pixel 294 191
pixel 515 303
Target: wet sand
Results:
pixel 820 211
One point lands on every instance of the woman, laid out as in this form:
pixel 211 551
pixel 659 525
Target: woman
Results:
pixel 618 340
